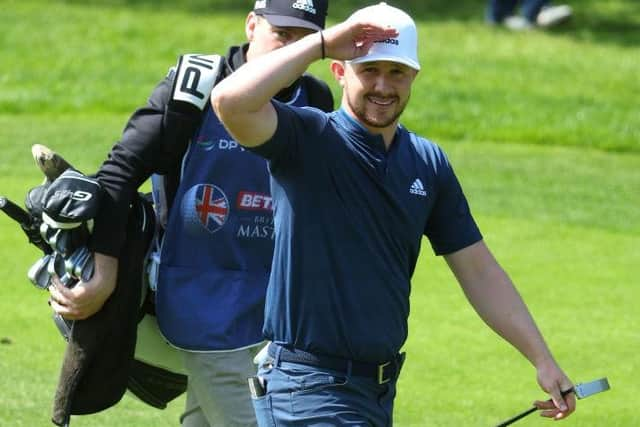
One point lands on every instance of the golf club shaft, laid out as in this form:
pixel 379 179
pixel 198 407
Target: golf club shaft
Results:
pixel 517 417
pixel 527 412
pixel 15 212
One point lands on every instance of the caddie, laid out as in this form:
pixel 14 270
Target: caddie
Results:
pixel 214 203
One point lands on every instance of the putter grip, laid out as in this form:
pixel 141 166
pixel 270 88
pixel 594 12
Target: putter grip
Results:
pixel 15 212
pixel 527 412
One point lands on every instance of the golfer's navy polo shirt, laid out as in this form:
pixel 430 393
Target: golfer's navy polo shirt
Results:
pixel 349 218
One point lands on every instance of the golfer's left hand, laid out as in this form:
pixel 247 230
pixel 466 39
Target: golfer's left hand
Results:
pixel 554 381
pixel 86 298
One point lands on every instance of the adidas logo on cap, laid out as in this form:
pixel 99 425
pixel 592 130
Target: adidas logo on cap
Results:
pixel 402 49
pixel 306 5
pixel 309 14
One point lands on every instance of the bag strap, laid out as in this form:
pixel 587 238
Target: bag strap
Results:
pixel 195 75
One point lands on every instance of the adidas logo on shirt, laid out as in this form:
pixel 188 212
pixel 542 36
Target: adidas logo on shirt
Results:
pixel 417 188
pixel 306 5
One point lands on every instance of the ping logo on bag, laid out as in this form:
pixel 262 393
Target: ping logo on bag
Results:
pixel 195 78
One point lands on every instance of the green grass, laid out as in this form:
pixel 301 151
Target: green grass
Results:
pixel 542 128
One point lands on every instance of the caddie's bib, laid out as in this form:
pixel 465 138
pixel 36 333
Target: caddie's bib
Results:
pixel 218 245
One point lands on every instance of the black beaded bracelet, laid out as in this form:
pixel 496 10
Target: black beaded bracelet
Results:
pixel 322 44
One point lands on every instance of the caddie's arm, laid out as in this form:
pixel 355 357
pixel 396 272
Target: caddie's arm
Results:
pixel 82 301
pixel 494 297
pixel 242 101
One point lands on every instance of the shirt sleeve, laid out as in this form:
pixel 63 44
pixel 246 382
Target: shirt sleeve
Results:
pixel 139 153
pixel 450 226
pixel 297 127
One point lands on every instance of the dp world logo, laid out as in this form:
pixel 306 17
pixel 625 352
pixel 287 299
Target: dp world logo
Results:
pixel 205 205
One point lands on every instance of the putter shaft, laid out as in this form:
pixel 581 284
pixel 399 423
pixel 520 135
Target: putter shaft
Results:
pixel 528 411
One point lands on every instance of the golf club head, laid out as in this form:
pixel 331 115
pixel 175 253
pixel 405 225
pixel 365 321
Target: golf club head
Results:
pixel 68 281
pixel 52 236
pixel 44 232
pixel 87 269
pixel 583 390
pixel 63 242
pixel 68 240
pixel 38 274
pixel 84 272
pixel 72 262
pixel 56 265
pixel 49 162
pixel 80 264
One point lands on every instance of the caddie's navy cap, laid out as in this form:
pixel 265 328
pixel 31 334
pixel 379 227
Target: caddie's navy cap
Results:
pixel 293 13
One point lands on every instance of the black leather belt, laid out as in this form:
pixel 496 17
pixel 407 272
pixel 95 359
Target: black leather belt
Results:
pixel 380 372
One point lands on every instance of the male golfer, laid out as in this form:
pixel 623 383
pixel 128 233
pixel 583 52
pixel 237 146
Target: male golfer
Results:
pixel 354 192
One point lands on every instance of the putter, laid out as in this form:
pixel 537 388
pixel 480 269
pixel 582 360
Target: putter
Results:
pixel 581 391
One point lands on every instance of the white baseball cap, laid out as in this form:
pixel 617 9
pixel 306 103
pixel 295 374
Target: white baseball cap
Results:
pixel 402 49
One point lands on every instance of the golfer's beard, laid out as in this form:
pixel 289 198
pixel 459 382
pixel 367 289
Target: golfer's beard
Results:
pixel 360 110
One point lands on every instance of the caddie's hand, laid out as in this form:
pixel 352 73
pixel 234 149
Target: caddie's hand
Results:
pixel 86 298
pixel 353 38
pixel 553 381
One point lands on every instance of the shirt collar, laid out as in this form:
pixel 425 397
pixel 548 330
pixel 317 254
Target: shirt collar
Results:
pixel 358 132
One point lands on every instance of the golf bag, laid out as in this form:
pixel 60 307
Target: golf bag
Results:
pixel 119 347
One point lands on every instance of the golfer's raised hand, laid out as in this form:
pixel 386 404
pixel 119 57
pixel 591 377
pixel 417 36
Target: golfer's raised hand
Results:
pixel 353 38
pixel 554 381
pixel 86 298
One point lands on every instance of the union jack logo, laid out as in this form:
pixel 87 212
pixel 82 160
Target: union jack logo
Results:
pixel 212 207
